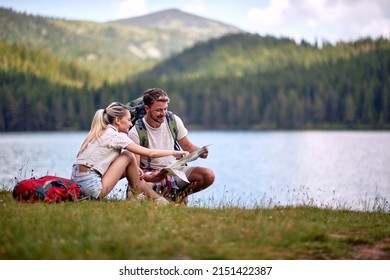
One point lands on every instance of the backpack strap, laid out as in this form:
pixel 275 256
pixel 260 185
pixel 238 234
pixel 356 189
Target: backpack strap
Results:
pixel 173 128
pixel 60 182
pixel 143 136
pixel 142 133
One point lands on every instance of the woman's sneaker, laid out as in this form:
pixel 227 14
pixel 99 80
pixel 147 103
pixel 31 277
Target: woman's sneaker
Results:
pixel 161 201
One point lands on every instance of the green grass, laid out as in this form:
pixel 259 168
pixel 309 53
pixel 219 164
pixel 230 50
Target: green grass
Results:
pixel 134 230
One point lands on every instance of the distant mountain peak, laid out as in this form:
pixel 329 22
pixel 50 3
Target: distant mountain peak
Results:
pixel 155 36
pixel 175 19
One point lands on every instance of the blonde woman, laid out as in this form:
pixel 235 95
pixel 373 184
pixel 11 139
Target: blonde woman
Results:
pixel 106 156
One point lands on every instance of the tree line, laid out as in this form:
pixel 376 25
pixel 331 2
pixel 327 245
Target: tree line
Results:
pixel 340 93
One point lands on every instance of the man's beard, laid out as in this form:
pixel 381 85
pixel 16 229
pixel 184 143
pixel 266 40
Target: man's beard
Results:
pixel 158 119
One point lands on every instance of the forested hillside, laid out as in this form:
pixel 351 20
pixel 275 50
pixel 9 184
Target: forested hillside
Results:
pixel 247 81
pixel 241 81
pixel 109 51
pixel 242 54
pixel 18 59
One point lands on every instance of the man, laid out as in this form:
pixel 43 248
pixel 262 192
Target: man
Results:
pixel 160 137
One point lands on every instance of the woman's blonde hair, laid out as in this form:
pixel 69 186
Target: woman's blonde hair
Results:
pixel 101 120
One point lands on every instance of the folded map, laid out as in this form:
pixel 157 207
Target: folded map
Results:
pixel 173 168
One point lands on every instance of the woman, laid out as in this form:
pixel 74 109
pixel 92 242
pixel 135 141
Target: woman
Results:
pixel 106 156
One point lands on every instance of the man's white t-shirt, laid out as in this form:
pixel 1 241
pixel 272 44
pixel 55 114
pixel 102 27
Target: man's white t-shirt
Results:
pixel 159 138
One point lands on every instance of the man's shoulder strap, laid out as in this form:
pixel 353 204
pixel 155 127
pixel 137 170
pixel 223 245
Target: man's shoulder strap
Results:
pixel 172 124
pixel 143 133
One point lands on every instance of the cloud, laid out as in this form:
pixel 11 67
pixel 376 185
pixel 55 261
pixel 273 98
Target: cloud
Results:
pixel 323 19
pixel 271 16
pixel 129 8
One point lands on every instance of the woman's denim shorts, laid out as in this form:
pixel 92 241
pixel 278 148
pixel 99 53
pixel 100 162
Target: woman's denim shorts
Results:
pixel 90 182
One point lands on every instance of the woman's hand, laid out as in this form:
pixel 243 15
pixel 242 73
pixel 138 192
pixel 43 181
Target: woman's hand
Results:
pixel 179 154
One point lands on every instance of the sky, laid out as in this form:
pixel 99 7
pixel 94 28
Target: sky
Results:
pixel 311 20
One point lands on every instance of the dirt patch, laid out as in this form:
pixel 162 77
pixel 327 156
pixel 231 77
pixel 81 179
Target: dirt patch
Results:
pixel 380 250
pixel 377 251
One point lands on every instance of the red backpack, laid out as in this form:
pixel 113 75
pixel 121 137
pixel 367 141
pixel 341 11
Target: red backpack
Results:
pixel 47 189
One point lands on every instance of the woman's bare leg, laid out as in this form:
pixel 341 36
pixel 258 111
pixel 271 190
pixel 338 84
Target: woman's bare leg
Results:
pixel 115 172
pixel 140 185
pixel 125 165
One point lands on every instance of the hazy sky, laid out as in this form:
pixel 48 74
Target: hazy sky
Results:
pixel 332 20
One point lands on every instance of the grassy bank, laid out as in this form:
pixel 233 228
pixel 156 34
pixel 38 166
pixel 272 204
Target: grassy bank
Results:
pixel 135 230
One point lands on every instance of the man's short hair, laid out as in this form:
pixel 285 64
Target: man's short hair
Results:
pixel 155 94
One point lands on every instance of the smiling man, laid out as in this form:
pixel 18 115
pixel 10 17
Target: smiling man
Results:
pixel 158 124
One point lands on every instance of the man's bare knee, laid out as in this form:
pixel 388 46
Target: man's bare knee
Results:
pixel 208 177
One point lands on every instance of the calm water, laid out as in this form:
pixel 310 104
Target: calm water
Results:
pixel 332 169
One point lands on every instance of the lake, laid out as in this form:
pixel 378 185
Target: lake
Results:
pixel 335 169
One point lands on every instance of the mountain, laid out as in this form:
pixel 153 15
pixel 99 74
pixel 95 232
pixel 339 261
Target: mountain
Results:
pixel 196 27
pixel 110 51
